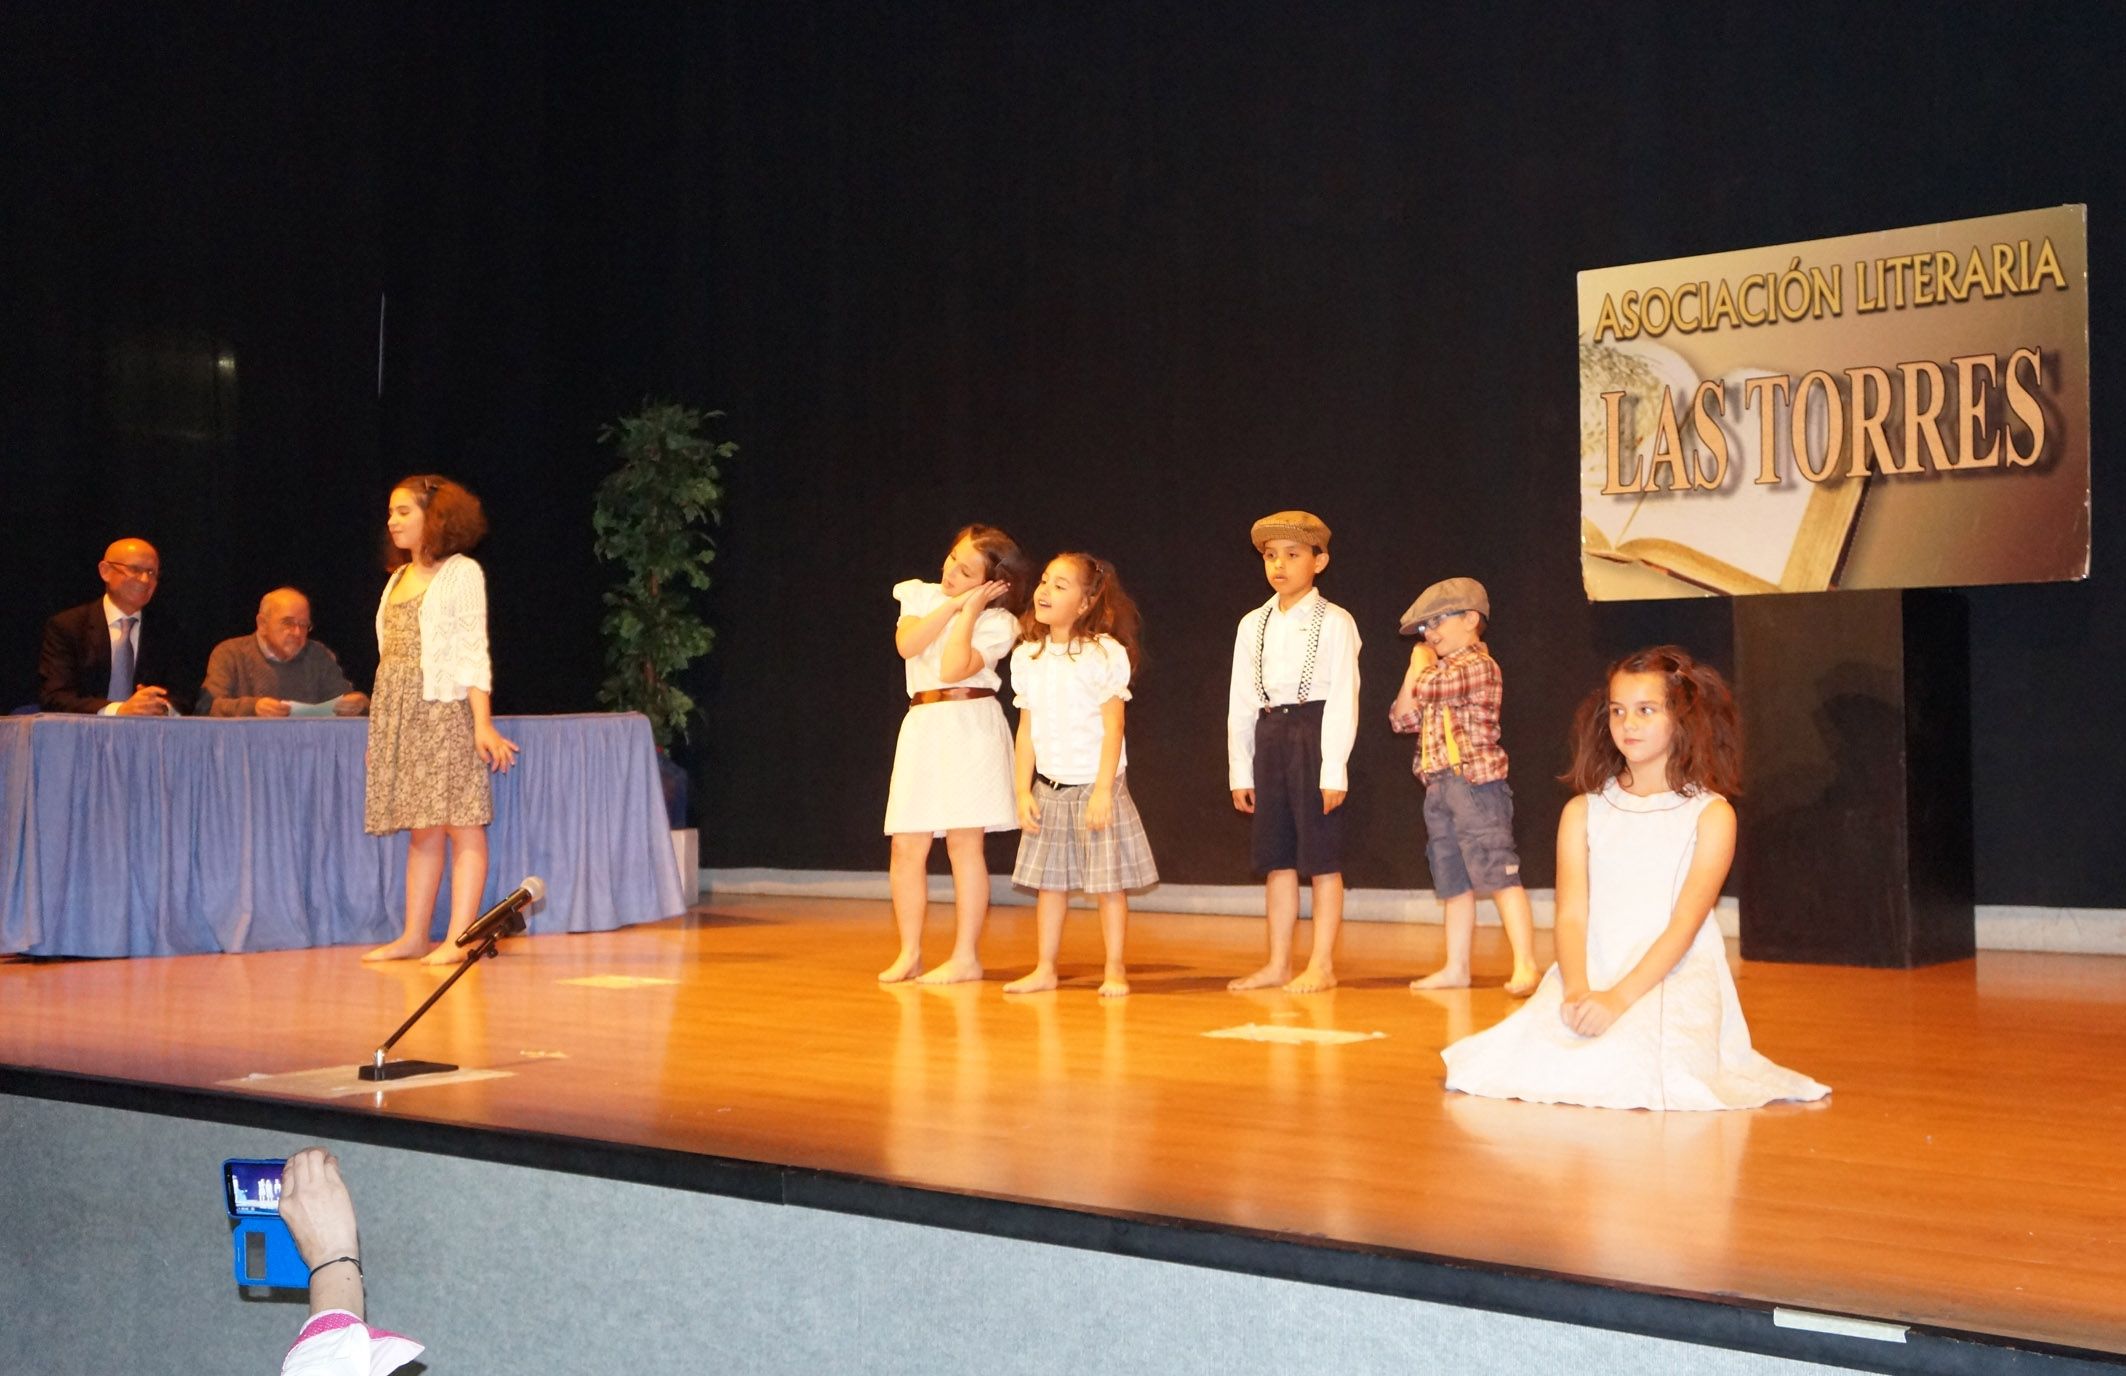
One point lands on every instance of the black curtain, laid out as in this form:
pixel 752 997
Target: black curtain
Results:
pixel 1121 278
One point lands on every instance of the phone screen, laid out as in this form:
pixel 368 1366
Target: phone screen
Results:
pixel 252 1187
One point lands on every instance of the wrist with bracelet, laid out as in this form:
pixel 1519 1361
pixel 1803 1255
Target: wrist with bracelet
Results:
pixel 355 1262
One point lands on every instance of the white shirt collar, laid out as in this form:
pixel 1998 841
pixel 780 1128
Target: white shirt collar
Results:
pixel 267 650
pixel 1304 602
pixel 112 611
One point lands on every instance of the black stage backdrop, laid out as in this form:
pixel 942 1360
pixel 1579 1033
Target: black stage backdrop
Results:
pixel 1113 277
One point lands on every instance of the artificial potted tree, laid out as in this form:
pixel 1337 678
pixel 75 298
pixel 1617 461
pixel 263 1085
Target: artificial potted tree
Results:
pixel 652 517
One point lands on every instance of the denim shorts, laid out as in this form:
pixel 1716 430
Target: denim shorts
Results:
pixel 1469 836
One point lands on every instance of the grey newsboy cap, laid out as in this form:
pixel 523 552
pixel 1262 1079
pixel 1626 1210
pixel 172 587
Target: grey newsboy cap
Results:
pixel 1445 598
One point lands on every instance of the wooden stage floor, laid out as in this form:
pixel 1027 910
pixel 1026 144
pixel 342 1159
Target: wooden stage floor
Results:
pixel 1962 1176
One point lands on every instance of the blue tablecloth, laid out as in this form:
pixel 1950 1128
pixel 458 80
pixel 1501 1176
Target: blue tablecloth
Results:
pixel 135 837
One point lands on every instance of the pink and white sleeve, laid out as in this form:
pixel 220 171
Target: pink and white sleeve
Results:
pixel 336 1343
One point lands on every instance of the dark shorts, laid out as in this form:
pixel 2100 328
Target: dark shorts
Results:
pixel 1291 833
pixel 1469 836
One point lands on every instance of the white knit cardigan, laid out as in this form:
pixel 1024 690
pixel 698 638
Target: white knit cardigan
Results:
pixel 453 630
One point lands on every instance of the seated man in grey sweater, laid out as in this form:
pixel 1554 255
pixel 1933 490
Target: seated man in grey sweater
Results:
pixel 263 673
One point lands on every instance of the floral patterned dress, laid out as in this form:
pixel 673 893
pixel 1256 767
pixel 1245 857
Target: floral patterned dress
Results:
pixel 423 769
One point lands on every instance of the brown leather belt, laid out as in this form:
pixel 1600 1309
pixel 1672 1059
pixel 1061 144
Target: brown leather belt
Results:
pixel 931 695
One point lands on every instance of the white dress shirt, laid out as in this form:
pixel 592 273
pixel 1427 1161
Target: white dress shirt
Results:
pixel 1284 653
pixel 114 616
pixel 1064 688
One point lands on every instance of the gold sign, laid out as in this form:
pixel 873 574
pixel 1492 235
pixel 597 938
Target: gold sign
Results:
pixel 1894 410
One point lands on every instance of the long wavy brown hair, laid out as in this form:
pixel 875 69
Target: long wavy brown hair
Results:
pixel 1006 563
pixel 1108 611
pixel 451 519
pixel 1706 753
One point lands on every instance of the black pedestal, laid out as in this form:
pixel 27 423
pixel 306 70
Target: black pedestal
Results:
pixel 1855 823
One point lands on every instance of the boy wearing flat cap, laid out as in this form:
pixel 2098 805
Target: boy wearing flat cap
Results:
pixel 1291 717
pixel 1450 698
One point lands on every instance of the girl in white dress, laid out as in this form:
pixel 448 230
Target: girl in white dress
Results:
pixel 952 767
pixel 1640 1009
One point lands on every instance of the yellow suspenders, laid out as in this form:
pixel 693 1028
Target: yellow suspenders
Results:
pixel 1454 747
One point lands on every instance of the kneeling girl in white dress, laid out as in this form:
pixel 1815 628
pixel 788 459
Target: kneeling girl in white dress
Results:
pixel 952 765
pixel 1078 827
pixel 1640 1009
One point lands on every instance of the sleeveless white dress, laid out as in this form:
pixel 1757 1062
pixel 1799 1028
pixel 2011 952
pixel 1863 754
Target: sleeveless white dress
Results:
pixel 1682 1046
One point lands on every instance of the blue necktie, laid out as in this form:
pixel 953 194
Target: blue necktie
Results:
pixel 122 661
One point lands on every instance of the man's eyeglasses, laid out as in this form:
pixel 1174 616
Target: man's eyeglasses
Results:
pixel 137 570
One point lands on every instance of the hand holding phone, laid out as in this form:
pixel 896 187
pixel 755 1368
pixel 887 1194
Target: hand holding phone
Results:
pixel 317 1208
pixel 266 1253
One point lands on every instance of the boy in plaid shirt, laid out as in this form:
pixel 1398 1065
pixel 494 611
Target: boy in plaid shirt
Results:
pixel 1450 699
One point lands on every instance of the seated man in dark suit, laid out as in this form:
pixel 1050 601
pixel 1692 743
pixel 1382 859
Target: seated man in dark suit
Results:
pixel 264 673
pixel 96 656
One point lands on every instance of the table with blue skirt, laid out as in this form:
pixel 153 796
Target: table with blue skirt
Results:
pixel 126 836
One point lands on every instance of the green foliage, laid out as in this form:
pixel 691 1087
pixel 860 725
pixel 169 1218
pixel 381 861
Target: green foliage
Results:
pixel 651 517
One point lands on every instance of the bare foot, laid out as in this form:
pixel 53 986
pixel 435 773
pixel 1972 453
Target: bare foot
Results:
pixel 1040 981
pixel 1114 984
pixel 906 966
pixel 1312 981
pixel 405 948
pixel 445 954
pixel 1524 981
pixel 1446 978
pixel 1268 977
pixel 954 971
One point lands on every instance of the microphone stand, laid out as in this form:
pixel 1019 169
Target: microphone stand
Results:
pixel 381 1069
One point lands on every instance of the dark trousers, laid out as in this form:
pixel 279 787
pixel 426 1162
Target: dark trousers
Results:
pixel 1291 831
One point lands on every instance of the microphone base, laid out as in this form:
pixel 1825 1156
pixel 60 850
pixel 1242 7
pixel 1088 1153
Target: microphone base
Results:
pixel 400 1070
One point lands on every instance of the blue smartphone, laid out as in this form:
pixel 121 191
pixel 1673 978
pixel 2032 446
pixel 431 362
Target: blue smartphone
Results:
pixel 265 1250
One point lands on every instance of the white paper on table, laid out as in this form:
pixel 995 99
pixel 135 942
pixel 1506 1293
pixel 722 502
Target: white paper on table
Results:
pixel 328 708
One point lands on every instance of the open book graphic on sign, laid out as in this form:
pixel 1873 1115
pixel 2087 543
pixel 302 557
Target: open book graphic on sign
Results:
pixel 1738 538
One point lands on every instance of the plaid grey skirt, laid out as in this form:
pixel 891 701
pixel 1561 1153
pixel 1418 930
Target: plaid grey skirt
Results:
pixel 1066 854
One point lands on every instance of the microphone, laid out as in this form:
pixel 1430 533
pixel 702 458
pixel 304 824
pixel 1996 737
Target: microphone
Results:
pixel 507 917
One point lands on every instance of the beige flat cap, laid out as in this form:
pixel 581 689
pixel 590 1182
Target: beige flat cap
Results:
pixel 1303 526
